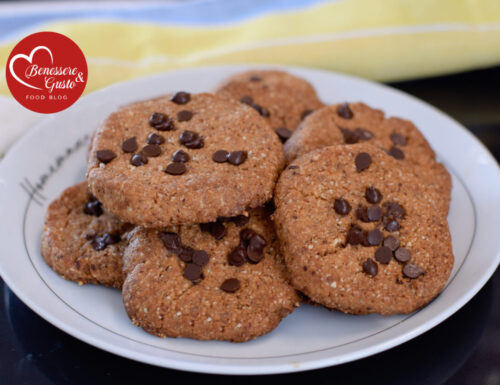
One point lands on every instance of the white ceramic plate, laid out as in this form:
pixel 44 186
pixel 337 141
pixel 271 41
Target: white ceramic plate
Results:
pixel 52 157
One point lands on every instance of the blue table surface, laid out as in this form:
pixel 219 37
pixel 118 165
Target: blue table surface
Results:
pixel 465 349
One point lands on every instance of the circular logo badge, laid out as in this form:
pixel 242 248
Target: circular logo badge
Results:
pixel 46 72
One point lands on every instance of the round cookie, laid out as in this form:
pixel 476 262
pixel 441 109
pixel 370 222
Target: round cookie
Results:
pixel 83 242
pixel 360 233
pixel 283 99
pixel 349 123
pixel 183 159
pixel 218 281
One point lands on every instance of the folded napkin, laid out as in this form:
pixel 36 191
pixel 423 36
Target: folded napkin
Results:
pixel 384 40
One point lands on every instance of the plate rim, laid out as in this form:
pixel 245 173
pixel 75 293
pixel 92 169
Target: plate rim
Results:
pixel 276 368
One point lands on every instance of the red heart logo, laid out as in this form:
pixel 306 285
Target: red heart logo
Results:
pixel 30 60
pixel 46 72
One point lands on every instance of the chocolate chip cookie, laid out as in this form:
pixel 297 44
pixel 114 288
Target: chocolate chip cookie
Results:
pixel 223 280
pixel 282 99
pixel 183 159
pixel 83 242
pixel 350 123
pixel 359 231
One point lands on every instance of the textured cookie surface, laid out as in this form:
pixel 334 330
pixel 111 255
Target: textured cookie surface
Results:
pixel 83 242
pixel 360 233
pixel 283 99
pixel 186 283
pixel 154 163
pixel 356 123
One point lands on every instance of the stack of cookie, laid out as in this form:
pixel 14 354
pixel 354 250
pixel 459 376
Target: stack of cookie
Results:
pixel 211 227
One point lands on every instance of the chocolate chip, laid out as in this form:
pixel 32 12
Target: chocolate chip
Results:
pixel 354 136
pixel 130 145
pixel 187 136
pixel 350 137
pixel 237 157
pixel 373 195
pixel 200 257
pixel 370 267
pixel 157 118
pixel 255 78
pixel 392 225
pixel 402 254
pixel 240 220
pixel 374 237
pixel 293 167
pixel 391 242
pixel 394 210
pixel 184 116
pixel 171 241
pixel 168 125
pixel 255 256
pixel 362 214
pixel 412 271
pixel 283 133
pixel 398 139
pixel 341 206
pixel 220 156
pixel 255 248
pixel 344 111
pixel 363 134
pixel 396 153
pixel 373 213
pixel 97 245
pixel 138 160
pixel 151 150
pixel 175 168
pixel 247 99
pixel 383 255
pixel 191 139
pixel 305 114
pixel 155 139
pixel 215 229
pixel 105 156
pixel 264 112
pixel 354 236
pixel 363 161
pixel 180 157
pixel 111 238
pixel 161 122
pixel 196 143
pixel 237 257
pixel 103 241
pixel 181 97
pixel 192 272
pixel 230 285
pixel 245 235
pixel 186 254
pixel 93 207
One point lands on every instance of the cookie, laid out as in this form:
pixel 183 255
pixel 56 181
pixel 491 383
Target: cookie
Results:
pixel 360 233
pixel 219 281
pixel 183 159
pixel 350 123
pixel 83 242
pixel 282 99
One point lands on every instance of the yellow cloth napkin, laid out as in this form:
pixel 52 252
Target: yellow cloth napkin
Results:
pixel 384 40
